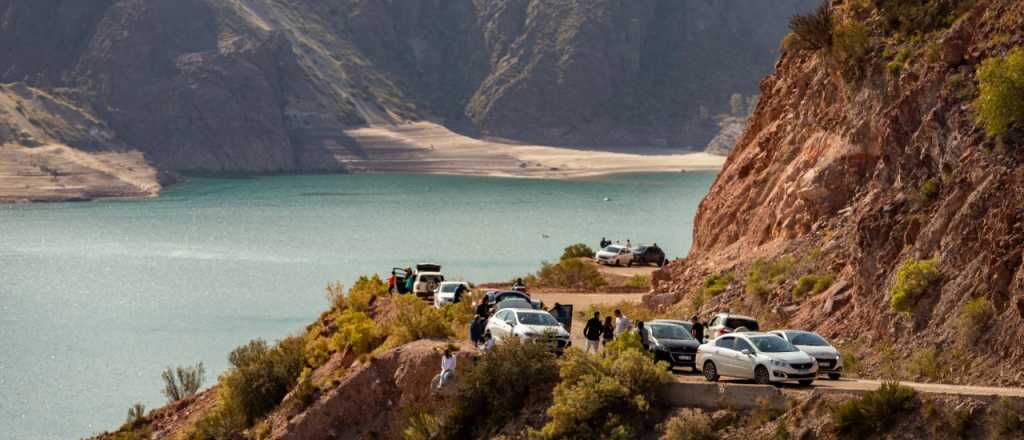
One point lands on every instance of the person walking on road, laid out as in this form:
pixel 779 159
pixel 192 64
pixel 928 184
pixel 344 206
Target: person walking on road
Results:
pixel 447 368
pixel 607 331
pixel 697 329
pixel 622 324
pixel 593 332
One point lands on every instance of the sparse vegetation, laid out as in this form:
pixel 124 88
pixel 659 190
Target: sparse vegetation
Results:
pixel 1000 105
pixel 851 44
pixel 183 382
pixel 814 29
pixel 639 281
pixel 924 364
pixel 1006 419
pixel 930 189
pixel 875 412
pixel 811 283
pixel 412 320
pixel 573 273
pixel 495 389
pixel 136 413
pixel 578 250
pixel 609 397
pixel 764 275
pixel 920 17
pixel 690 425
pixel 913 279
pixel 975 318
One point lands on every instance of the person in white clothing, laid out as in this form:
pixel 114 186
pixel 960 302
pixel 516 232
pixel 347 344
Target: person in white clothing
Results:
pixel 622 324
pixel 447 367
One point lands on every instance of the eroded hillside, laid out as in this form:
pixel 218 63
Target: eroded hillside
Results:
pixel 864 168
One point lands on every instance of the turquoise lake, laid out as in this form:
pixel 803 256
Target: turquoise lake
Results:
pixel 97 298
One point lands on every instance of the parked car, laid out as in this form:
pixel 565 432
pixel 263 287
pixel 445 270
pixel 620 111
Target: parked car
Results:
pixel 529 326
pixel 514 303
pixel 725 323
pixel 644 255
pixel 672 342
pixel 450 292
pixel 615 255
pixel 496 296
pixel 829 361
pixel 426 280
pixel 763 357
pixel 687 324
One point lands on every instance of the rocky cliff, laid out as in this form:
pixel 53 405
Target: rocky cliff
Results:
pixel 267 86
pixel 860 161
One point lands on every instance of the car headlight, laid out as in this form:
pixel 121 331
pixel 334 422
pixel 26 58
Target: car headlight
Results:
pixel 778 363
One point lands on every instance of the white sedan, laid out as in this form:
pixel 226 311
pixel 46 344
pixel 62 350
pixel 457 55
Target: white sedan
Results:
pixel 615 255
pixel 529 326
pixel 829 361
pixel 450 292
pixel 763 357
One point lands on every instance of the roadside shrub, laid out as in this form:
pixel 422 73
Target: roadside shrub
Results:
pixel 975 318
pixel 924 364
pixel 1000 106
pixel 578 250
pixel 365 291
pixel 261 377
pixel 913 279
pixel 715 284
pixel 690 425
pixel 875 412
pixel 814 29
pixel 765 275
pixel 183 382
pixel 498 387
pixel 1006 419
pixel 573 273
pixel 356 333
pixel 609 397
pixel 811 283
pixel 413 320
pixel 639 281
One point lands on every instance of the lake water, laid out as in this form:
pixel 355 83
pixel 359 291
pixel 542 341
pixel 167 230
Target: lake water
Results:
pixel 97 298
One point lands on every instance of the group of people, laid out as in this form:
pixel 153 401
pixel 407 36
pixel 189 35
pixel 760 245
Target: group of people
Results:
pixel 599 334
pixel 606 242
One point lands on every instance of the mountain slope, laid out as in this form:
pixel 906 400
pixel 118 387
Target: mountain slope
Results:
pixel 850 175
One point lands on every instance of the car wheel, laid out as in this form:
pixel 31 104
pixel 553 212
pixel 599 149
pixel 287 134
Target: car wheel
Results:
pixel 761 375
pixel 629 263
pixel 710 371
pixel 834 376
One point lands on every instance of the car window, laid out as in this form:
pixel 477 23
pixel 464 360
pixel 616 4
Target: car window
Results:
pixel 772 344
pixel 724 342
pixel 743 345
pixel 537 319
pixel 613 249
pixel 670 331
pixel 809 339
pixel 449 287
pixel 740 322
pixel 502 315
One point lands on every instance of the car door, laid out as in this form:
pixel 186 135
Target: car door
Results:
pixel 743 363
pixel 500 325
pixel 723 355
pixel 713 327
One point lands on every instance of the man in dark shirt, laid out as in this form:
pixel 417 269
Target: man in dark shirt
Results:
pixel 483 309
pixel 593 332
pixel 697 329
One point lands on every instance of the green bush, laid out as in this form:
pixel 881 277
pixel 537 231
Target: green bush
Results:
pixel 639 281
pixel 365 292
pixel 851 44
pixel 715 284
pixel 183 382
pixel 975 318
pixel 497 388
pixel 413 320
pixel 1006 419
pixel 690 425
pixel 814 29
pixel 261 377
pixel 913 279
pixel 791 42
pixel 924 364
pixel 765 275
pixel 930 189
pixel 356 333
pixel 610 397
pixel 1000 106
pixel 911 17
pixel 811 283
pixel 573 273
pixel 578 250
pixel 876 412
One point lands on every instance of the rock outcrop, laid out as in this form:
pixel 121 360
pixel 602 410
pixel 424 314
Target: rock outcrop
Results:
pixel 851 176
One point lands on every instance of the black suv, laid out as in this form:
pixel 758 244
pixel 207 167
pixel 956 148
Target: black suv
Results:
pixel 644 255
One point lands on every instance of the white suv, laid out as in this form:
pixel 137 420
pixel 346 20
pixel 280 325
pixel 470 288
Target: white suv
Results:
pixel 615 255
pixel 763 357
pixel 829 361
pixel 725 323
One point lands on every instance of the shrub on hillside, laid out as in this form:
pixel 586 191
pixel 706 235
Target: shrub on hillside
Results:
pixel 975 318
pixel 1000 106
pixel 930 189
pixel 365 291
pixel 811 283
pixel 715 284
pixel 609 397
pixel 1006 419
pixel 573 273
pixel 690 425
pixel 578 250
pixel 924 364
pixel 851 43
pixel 356 334
pixel 261 377
pixel 814 29
pixel 764 275
pixel 412 320
pixel 913 279
pixel 910 17
pixel 183 382
pixel 497 387
pixel 639 281
pixel 876 412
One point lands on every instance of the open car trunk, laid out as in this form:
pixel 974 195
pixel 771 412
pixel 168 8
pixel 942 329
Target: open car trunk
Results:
pixel 428 267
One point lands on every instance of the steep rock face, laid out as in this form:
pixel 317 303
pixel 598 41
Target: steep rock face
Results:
pixel 836 172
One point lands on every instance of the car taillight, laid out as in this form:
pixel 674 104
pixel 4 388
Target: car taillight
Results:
pixel 726 330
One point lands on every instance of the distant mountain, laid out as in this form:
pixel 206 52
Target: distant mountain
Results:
pixel 269 85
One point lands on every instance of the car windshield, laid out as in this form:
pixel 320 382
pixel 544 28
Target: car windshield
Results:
pixel 735 323
pixel 808 339
pixel 613 249
pixel 449 287
pixel 537 319
pixel 670 331
pixel 772 344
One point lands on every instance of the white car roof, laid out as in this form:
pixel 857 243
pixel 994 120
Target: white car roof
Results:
pixel 733 315
pixel 428 273
pixel 443 283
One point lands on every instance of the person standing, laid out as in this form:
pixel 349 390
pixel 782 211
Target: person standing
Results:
pixel 645 338
pixel 607 331
pixel 697 329
pixel 483 309
pixel 447 368
pixel 476 330
pixel 622 324
pixel 593 332
pixel 629 244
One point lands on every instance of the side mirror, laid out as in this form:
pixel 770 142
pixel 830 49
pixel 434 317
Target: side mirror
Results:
pixel 746 352
pixel 510 323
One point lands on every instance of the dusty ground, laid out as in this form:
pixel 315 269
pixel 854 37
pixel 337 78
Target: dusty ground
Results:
pixel 426 147
pixel 57 173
